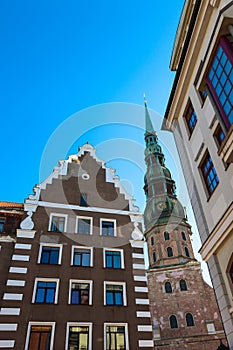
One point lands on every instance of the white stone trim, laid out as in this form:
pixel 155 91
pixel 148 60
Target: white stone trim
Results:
pixel 85 324
pixel 106 324
pixel 140 278
pixel 23 246
pixel 137 244
pixel 146 344
pixel 144 328
pixel 13 269
pixel 7 344
pixel 12 296
pixel 41 279
pixel 139 301
pixel 145 314
pixel 137 256
pixel 17 257
pixel 86 218
pixel 8 327
pixel 40 324
pixel 54 245
pixel 15 283
pixel 25 233
pixel 116 283
pixel 65 216
pixel 83 248
pixel 116 250
pixel 8 311
pixel 90 282
pixel 139 267
pixel 114 226
pixel 141 289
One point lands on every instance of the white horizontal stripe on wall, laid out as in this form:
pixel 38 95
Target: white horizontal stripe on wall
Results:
pixel 6 344
pixel 138 256
pixel 143 328
pixel 142 301
pixel 139 266
pixel 15 283
pixel 18 269
pixel 20 257
pixel 140 278
pixel 8 326
pixel 9 311
pixel 23 246
pixel 137 244
pixel 146 343
pixel 145 314
pixel 12 296
pixel 141 289
pixel 25 233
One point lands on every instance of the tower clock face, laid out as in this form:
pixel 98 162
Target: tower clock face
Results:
pixel 161 206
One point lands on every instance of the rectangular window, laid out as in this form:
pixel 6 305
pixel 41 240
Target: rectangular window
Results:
pixel 80 292
pixel 115 293
pixel 84 225
pixel 113 258
pixel 116 337
pixel 2 222
pixel 45 291
pixel 209 173
pixel 79 336
pixel 58 223
pixel 220 80
pixel 219 135
pixel 40 336
pixel 82 256
pixel 108 227
pixel 50 254
pixel 190 118
pixel 83 200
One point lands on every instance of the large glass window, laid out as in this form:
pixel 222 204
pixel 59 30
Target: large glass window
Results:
pixel 114 294
pixel 80 293
pixel 84 225
pixel 209 173
pixel 49 255
pixel 40 337
pixel 57 223
pixel 108 227
pixel 113 259
pixel 45 292
pixel 82 256
pixel 78 337
pixel 115 337
pixel 220 80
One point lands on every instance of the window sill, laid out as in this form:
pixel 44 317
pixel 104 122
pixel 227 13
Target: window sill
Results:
pixel 226 149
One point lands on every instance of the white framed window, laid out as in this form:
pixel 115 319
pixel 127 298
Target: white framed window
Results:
pixel 82 256
pixel 40 332
pixel 45 291
pixel 58 222
pixel 115 293
pixel 113 258
pixel 50 253
pixel 79 335
pixel 108 227
pixel 84 225
pixel 116 336
pixel 80 292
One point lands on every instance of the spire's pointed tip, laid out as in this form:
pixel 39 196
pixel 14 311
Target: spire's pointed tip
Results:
pixel 145 101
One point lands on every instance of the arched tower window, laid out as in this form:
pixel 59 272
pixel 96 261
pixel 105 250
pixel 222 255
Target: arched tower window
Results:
pixel 168 287
pixel 173 321
pixel 189 320
pixel 154 257
pixel 183 285
pixel 187 252
pixel 169 252
pixel 152 241
pixel 183 236
pixel 166 236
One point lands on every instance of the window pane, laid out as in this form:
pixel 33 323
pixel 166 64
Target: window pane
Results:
pixel 57 224
pixel 107 228
pixel 84 226
pixel 40 337
pixel 81 257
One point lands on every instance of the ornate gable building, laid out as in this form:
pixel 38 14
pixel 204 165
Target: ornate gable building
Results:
pixel 75 274
pixel 183 307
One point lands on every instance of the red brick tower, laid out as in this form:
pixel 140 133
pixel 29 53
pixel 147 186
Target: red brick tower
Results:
pixel 183 307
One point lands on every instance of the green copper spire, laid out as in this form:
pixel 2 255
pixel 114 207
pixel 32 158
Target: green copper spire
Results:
pixel 162 204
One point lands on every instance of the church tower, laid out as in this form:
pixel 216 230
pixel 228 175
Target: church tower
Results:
pixel 183 307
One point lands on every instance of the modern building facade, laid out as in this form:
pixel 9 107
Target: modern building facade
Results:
pixel 183 307
pixel 75 277
pixel 200 114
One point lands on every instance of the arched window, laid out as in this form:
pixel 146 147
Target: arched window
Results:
pixel 173 321
pixel 183 236
pixel 166 236
pixel 168 287
pixel 154 256
pixel 152 241
pixel 169 252
pixel 189 320
pixel 187 252
pixel 183 285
